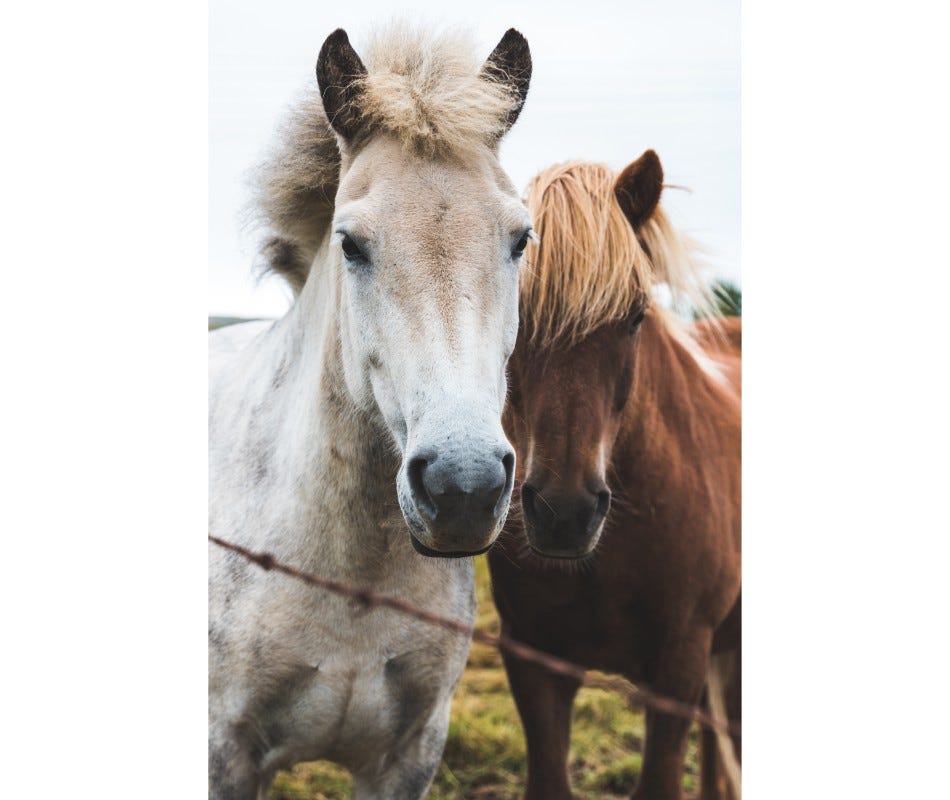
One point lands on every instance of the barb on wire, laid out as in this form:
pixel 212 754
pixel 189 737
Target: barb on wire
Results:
pixel 560 666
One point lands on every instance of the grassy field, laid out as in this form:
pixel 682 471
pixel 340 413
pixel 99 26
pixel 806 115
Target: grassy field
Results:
pixel 485 753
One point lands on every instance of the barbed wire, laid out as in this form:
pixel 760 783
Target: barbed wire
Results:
pixel 555 664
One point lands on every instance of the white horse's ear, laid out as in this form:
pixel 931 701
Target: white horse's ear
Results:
pixel 340 74
pixel 510 64
pixel 639 187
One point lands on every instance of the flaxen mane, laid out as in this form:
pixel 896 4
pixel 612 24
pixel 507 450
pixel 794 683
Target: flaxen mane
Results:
pixel 427 90
pixel 589 268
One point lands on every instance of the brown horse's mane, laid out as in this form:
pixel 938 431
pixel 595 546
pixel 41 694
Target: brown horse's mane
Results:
pixel 590 268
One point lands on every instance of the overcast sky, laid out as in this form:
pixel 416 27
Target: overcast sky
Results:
pixel 608 83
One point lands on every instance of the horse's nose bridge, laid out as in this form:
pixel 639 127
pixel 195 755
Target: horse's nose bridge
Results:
pixel 457 299
pixel 568 462
pixel 566 426
pixel 453 389
pixel 462 361
pixel 566 486
pixel 462 428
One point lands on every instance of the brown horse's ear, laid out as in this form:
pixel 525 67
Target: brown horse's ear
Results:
pixel 510 64
pixel 340 74
pixel 639 187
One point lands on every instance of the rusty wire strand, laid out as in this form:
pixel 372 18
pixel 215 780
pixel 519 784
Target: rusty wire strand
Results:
pixel 559 666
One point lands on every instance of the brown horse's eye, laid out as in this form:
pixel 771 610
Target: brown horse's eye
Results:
pixel 622 388
pixel 634 322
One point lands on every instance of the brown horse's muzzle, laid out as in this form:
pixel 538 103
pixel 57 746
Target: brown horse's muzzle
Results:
pixel 561 525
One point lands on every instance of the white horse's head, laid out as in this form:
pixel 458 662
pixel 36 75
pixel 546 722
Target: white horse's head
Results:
pixel 430 232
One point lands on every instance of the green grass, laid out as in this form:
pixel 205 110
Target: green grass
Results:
pixel 484 755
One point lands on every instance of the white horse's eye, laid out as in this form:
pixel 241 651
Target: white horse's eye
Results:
pixel 351 249
pixel 518 250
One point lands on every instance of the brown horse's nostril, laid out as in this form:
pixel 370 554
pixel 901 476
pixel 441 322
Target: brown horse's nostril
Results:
pixel 600 511
pixel 528 496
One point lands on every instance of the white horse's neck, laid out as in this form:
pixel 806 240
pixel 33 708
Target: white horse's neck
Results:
pixel 323 469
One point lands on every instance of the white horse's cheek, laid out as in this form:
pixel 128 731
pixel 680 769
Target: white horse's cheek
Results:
pixel 386 399
pixel 511 312
pixel 356 337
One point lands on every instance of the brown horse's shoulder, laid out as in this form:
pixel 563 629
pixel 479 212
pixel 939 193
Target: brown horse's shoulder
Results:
pixel 721 341
pixel 720 336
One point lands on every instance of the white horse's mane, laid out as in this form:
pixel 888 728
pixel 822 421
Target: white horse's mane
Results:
pixel 426 89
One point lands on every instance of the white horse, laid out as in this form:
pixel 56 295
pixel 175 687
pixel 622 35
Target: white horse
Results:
pixel 401 237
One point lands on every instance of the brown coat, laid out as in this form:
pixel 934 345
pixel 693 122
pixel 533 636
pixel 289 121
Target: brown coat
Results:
pixel 628 441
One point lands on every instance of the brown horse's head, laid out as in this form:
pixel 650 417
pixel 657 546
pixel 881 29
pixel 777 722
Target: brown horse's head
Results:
pixel 584 296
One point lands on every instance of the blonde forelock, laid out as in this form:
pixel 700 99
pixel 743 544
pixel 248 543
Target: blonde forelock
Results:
pixel 589 268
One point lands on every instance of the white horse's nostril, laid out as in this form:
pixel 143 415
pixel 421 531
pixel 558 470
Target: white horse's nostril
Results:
pixel 459 488
pixel 416 473
pixel 508 461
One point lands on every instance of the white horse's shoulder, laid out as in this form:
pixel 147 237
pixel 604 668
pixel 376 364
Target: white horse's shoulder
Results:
pixel 224 344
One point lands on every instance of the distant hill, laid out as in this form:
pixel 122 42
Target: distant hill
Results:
pixel 221 322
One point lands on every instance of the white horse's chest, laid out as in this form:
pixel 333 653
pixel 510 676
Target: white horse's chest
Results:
pixel 356 701
pixel 328 678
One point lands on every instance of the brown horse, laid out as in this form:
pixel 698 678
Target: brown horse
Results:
pixel 617 406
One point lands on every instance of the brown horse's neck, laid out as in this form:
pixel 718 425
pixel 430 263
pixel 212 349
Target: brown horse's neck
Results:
pixel 682 413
